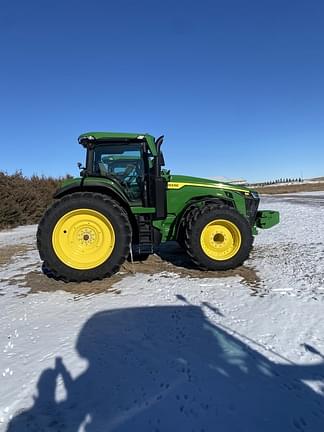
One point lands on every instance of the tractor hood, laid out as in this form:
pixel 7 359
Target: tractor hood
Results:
pixel 179 181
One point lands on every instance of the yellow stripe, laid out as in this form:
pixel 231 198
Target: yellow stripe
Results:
pixel 172 185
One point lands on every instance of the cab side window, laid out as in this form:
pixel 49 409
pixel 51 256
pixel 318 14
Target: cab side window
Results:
pixel 125 164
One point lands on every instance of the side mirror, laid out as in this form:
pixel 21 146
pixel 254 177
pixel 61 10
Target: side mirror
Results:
pixel 82 169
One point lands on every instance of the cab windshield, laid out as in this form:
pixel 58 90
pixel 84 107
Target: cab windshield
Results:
pixel 122 162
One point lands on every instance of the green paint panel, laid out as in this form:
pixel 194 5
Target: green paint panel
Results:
pixel 143 210
pixel 208 182
pixel 166 227
pixel 201 188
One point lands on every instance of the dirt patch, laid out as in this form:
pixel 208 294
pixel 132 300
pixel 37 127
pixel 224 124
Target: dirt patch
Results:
pixel 38 282
pixel 8 252
pixel 170 260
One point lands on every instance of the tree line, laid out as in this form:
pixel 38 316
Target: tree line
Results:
pixel 23 200
pixel 279 181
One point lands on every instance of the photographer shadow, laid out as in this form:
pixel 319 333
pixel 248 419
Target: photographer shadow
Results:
pixel 169 368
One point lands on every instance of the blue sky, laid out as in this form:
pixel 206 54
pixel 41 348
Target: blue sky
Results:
pixel 236 86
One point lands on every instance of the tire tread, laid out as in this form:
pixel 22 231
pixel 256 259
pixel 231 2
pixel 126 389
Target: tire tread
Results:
pixel 191 249
pixel 74 275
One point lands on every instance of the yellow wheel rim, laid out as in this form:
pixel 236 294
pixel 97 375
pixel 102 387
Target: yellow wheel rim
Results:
pixel 83 239
pixel 220 240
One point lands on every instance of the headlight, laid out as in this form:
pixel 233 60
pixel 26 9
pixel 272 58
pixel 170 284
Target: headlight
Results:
pixel 255 195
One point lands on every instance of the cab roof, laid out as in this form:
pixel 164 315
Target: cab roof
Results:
pixel 109 136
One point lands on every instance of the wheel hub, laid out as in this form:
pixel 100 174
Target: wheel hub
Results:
pixel 220 240
pixel 86 236
pixel 83 239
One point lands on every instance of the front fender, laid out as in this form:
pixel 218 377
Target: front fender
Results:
pixel 177 221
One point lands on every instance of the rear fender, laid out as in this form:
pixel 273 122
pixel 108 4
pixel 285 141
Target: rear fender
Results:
pixel 104 189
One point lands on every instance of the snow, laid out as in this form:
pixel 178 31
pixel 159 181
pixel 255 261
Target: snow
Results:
pixel 23 234
pixel 172 353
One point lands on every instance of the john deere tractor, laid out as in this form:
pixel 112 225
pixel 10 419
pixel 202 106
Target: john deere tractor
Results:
pixel 125 202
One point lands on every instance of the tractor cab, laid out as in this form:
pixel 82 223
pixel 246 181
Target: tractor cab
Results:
pixel 132 162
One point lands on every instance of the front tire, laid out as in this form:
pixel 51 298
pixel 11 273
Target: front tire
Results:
pixel 83 236
pixel 217 237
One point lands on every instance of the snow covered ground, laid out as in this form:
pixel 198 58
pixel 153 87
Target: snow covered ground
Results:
pixel 165 352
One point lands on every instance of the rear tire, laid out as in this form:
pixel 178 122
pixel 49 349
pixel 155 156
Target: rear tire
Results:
pixel 181 239
pixel 83 236
pixel 217 237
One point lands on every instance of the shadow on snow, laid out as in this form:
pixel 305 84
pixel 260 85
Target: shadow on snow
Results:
pixel 170 369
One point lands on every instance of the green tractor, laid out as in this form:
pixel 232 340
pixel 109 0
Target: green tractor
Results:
pixel 125 203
